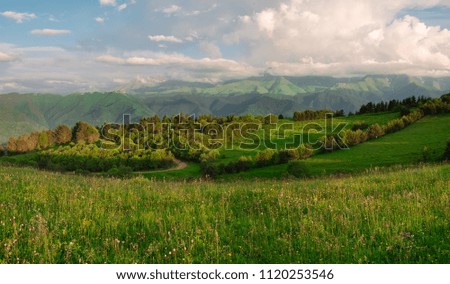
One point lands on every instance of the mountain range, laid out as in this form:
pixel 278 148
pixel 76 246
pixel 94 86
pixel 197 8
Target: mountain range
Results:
pixel 21 113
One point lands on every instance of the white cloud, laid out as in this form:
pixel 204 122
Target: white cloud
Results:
pixel 171 9
pixel 122 7
pixel 211 49
pixel 11 87
pixel 125 5
pixel 216 69
pixel 52 18
pixel 293 37
pixel 50 32
pixel 5 57
pixel 344 37
pixel 111 59
pixel 108 2
pixel 266 21
pixel 163 38
pixel 19 17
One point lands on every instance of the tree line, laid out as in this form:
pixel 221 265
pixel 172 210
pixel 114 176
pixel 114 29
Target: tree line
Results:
pixel 394 105
pixel 264 158
pixel 315 114
pixel 81 133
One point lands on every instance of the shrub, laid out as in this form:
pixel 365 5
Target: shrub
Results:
pixel 394 126
pixel 209 169
pixel 406 120
pixel 441 105
pixel 210 156
pixel 305 151
pixel 375 131
pixel 287 155
pixel 351 137
pixel 298 169
pixel 266 158
pixel 332 143
pixel 271 119
pixel 244 163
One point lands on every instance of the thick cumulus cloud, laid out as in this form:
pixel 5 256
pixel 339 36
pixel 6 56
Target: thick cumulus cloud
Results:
pixel 345 37
pixel 219 40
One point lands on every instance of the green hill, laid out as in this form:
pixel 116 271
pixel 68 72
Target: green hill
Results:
pixel 405 147
pixel 23 113
pixel 20 113
pixel 378 86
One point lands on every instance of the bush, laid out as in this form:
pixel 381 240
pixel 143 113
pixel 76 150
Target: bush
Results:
pixel 271 119
pixel 352 138
pixel 305 151
pixel 266 158
pixel 287 155
pixel 298 169
pixel 244 163
pixel 407 120
pixel 332 143
pixel 394 126
pixel 375 131
pixel 209 170
pixel 210 156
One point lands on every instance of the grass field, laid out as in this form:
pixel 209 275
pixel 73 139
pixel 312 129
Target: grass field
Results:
pixel 400 216
pixel 193 171
pixel 405 147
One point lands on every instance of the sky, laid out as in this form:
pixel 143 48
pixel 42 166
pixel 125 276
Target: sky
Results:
pixel 60 46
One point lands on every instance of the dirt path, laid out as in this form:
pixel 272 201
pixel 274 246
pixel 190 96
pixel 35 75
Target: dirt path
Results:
pixel 180 165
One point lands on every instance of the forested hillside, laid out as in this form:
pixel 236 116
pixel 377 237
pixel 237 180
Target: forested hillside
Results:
pixel 22 113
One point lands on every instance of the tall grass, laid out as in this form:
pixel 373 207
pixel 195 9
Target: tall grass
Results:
pixel 397 217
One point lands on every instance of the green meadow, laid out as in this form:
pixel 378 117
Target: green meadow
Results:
pixel 424 141
pixel 385 200
pixel 395 216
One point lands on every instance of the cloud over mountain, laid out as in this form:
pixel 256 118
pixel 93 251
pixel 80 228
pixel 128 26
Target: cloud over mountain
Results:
pixel 220 40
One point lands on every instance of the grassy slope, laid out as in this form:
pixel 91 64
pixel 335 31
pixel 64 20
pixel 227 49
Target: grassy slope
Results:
pixel 396 217
pixel 403 147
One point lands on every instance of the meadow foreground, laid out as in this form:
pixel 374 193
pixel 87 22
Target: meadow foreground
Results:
pixel 393 216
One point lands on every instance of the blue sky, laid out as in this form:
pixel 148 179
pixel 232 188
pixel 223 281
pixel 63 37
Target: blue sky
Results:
pixel 74 46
